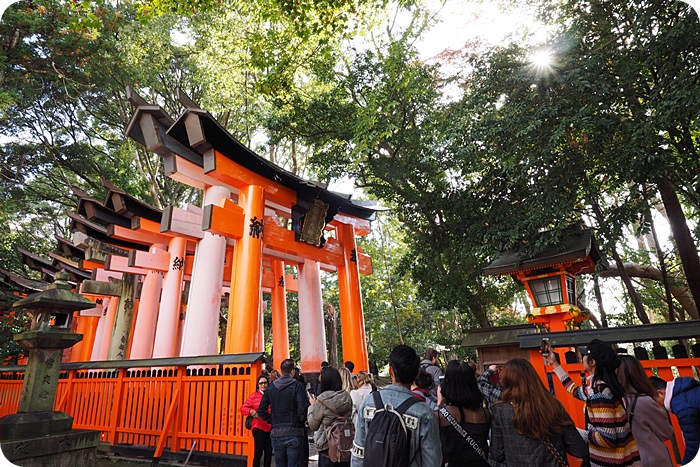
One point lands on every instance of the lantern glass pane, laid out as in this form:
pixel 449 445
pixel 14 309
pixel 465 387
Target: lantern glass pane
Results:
pixel 547 291
pixel 571 290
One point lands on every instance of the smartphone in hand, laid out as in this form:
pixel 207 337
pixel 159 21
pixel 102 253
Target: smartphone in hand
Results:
pixel 545 347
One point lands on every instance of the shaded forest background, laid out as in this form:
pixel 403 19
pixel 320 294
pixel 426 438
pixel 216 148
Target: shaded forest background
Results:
pixel 474 150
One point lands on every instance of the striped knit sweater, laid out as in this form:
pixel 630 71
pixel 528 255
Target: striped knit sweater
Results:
pixel 610 440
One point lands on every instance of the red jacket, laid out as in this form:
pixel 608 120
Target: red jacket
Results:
pixel 253 402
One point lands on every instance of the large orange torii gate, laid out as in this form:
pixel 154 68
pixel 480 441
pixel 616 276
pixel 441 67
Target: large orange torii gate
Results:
pixel 128 221
pixel 252 201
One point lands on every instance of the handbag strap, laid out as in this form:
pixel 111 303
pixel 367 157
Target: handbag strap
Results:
pixel 561 460
pixel 631 414
pixel 460 429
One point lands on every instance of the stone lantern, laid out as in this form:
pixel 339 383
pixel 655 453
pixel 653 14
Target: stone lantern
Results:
pixel 37 435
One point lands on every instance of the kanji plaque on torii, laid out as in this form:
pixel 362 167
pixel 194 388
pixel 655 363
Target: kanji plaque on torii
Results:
pixel 245 196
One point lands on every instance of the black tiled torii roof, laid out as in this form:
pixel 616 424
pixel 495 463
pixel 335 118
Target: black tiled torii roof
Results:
pixel 576 246
pixel 10 279
pixel 219 138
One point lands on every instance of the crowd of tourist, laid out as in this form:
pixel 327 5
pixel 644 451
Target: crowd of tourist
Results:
pixel 459 418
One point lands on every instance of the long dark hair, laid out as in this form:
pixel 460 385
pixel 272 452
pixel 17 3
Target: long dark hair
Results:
pixel 330 380
pixel 632 375
pixel 536 411
pixel 606 365
pixel 459 386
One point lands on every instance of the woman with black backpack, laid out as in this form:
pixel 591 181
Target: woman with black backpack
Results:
pixel 332 405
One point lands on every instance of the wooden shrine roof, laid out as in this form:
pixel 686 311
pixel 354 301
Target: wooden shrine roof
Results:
pixel 100 233
pixel 27 285
pixel 73 268
pixel 129 206
pixel 118 209
pixel 622 334
pixel 96 211
pixel 49 267
pixel 68 249
pixel 218 138
pixel 166 137
pixel 575 247
pixel 39 264
pixel 496 336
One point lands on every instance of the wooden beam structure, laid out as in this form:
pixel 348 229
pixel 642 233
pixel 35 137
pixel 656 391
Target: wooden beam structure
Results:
pixel 252 194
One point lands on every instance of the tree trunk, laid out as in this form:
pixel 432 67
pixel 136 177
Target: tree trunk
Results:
pixel 592 318
pixel 391 286
pixel 638 306
pixel 646 271
pixel 479 313
pixel 331 319
pixel 599 299
pixel 664 275
pixel 686 246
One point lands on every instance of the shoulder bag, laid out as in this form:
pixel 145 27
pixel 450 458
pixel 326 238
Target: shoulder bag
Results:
pixel 460 429
pixel 560 460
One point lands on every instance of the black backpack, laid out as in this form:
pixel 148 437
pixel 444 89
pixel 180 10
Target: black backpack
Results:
pixel 388 439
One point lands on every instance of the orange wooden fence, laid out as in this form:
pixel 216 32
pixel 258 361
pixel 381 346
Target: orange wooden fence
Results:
pixel 158 403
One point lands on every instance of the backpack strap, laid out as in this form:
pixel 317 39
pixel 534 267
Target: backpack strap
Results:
pixel 405 405
pixel 336 413
pixel 378 403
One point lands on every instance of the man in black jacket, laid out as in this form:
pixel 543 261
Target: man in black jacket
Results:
pixel 289 402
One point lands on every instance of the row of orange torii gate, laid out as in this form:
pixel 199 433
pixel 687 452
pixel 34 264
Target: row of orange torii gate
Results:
pixel 255 220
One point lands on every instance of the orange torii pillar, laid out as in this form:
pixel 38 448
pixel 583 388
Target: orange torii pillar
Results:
pixel 201 331
pixel 280 326
pixel 312 330
pixel 352 318
pixel 145 326
pixel 245 319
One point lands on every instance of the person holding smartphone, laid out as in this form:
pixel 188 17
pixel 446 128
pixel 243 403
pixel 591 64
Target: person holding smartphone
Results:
pixel 610 439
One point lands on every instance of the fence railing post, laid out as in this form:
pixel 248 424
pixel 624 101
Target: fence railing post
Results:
pixel 179 395
pixel 172 419
pixel 117 407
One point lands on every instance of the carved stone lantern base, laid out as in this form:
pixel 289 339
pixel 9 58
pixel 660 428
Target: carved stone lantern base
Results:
pixel 74 448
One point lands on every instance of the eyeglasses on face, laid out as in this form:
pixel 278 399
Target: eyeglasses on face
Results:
pixel 262 382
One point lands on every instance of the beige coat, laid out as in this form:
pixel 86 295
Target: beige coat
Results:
pixel 321 417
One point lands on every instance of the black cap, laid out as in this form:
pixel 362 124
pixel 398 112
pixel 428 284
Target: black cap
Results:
pixel 602 352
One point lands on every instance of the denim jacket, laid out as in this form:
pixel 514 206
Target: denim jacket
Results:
pixel 425 437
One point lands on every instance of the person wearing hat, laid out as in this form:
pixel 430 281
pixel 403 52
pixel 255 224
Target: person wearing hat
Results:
pixel 610 440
